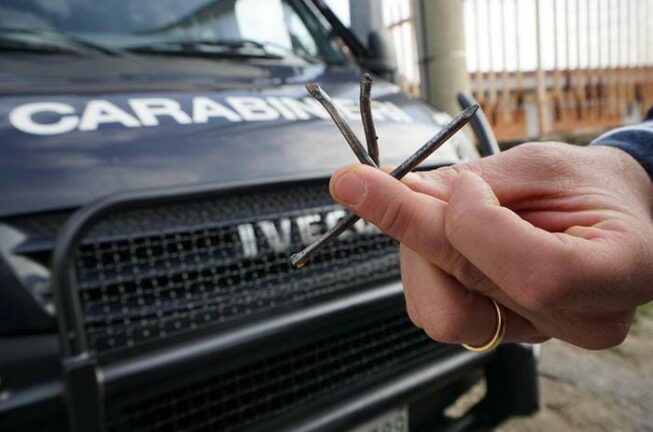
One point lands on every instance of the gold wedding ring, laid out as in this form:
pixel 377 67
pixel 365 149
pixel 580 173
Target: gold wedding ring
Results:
pixel 498 334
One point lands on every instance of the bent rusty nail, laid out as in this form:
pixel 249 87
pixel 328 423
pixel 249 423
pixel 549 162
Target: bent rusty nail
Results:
pixel 368 121
pixel 301 258
pixel 320 95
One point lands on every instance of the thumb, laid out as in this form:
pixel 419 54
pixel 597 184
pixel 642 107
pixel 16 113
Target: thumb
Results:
pixel 507 249
pixel 415 219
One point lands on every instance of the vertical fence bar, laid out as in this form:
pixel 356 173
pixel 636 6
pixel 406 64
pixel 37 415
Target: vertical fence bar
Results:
pixel 599 66
pixel 629 75
pixel 612 60
pixel 620 59
pixel 636 61
pixel 540 78
pixel 570 77
pixel 519 78
pixel 589 70
pixel 628 52
pixel 557 79
pixel 617 57
pixel 637 66
pixel 480 87
pixel 580 82
pixel 565 84
pixel 623 57
pixel 505 92
pixel 648 79
pixel 644 55
pixel 492 77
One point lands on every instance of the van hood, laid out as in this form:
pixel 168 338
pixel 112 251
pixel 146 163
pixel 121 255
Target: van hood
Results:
pixel 68 139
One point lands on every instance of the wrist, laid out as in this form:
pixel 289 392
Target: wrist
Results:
pixel 622 159
pixel 629 168
pixel 635 141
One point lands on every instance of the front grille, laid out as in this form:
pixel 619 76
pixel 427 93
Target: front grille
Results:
pixel 260 391
pixel 150 273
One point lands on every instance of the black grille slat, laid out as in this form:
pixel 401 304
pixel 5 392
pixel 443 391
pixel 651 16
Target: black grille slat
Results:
pixel 289 200
pixel 145 274
pixel 260 391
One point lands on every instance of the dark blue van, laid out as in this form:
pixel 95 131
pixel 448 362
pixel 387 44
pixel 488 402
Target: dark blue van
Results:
pixel 159 162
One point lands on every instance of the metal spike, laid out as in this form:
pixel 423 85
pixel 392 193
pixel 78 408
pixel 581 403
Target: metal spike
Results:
pixel 301 258
pixel 368 121
pixel 320 95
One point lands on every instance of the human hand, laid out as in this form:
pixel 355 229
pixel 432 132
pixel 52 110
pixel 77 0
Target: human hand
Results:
pixel 561 236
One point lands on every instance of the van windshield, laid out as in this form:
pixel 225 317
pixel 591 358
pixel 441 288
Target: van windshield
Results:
pixel 271 28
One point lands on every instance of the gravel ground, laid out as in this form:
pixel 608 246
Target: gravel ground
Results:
pixel 609 390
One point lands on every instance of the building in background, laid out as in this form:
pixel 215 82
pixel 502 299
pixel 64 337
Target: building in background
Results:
pixel 538 67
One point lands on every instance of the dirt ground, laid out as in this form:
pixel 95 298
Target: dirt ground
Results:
pixel 610 390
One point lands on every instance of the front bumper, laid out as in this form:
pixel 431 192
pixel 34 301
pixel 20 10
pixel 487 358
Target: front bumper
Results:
pixel 427 389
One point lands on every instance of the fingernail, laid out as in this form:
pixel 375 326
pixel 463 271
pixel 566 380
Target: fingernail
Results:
pixel 350 189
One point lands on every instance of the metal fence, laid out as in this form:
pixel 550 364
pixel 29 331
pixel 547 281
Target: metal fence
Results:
pixel 541 67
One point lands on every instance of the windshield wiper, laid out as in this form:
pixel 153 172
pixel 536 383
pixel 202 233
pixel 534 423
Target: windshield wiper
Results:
pixel 40 39
pixel 205 48
pixel 216 48
pixel 13 44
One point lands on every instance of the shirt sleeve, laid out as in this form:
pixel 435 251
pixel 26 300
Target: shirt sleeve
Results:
pixel 636 140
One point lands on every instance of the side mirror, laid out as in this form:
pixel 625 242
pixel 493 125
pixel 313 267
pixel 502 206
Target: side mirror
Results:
pixel 380 59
